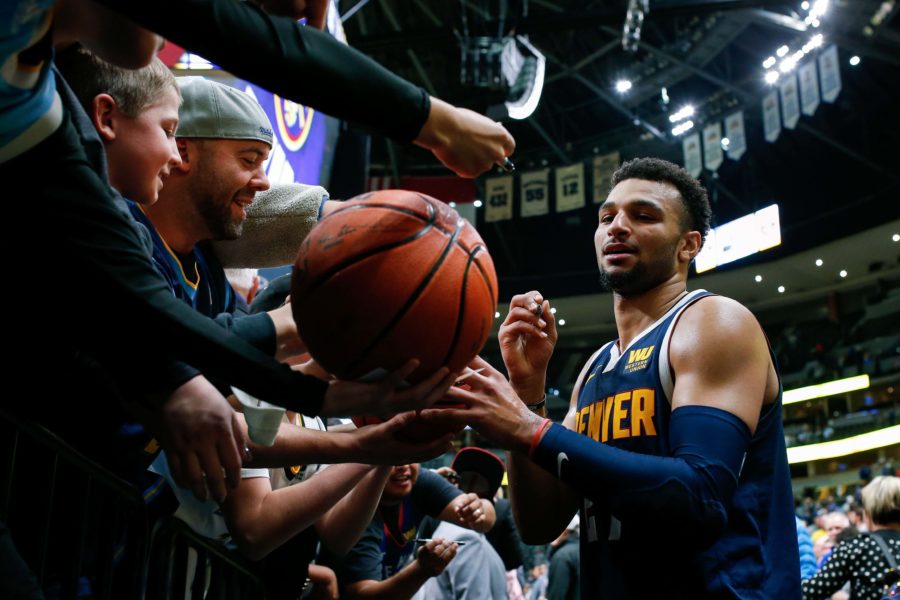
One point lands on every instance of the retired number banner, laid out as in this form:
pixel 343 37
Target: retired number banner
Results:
pixel 535 192
pixel 498 193
pixel 569 187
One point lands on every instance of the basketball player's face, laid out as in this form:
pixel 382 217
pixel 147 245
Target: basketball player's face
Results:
pixel 400 482
pixel 143 151
pixel 226 178
pixel 638 236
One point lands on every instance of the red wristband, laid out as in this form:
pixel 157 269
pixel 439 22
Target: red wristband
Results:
pixel 537 436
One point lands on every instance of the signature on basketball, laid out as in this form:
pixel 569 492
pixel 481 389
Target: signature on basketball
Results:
pixel 329 241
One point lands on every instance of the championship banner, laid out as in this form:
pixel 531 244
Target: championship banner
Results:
pixel 809 88
pixel 771 116
pixel 693 162
pixel 830 74
pixel 790 101
pixel 535 192
pixel 569 187
pixel 604 167
pixel 498 192
pixel 712 146
pixel 737 138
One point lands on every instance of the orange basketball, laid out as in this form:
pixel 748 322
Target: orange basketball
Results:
pixel 393 275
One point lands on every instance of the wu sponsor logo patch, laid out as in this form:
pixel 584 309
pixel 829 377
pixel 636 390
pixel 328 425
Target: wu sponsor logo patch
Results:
pixel 638 359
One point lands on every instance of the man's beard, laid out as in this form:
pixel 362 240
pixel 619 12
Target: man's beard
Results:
pixel 643 277
pixel 219 220
pixel 215 214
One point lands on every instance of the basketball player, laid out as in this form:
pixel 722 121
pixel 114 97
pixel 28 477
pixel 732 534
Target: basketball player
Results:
pixel 673 448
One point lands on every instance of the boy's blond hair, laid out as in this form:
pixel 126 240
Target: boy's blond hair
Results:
pixel 132 89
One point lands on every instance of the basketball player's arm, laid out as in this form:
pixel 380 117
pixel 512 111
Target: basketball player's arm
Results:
pixel 261 48
pixel 261 519
pixel 722 363
pixel 533 491
pixel 430 562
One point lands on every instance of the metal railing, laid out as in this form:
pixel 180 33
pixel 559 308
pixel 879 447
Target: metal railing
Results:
pixel 81 529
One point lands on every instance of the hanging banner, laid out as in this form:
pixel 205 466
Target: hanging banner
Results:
pixel 604 167
pixel 535 192
pixel 734 131
pixel 693 162
pixel 569 187
pixel 790 101
pixel 712 146
pixel 830 74
pixel 498 192
pixel 809 88
pixel 771 116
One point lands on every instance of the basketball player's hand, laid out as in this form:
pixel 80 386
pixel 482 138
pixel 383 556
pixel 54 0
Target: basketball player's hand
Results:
pixel 527 338
pixel 466 142
pixel 491 406
pixel 434 556
pixel 385 444
pixel 202 439
pixel 386 396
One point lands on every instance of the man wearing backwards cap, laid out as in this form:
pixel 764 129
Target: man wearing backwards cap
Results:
pixel 224 138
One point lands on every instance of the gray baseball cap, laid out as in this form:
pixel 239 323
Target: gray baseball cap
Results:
pixel 215 110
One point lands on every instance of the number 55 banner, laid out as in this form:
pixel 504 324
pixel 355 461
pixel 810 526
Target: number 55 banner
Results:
pixel 535 193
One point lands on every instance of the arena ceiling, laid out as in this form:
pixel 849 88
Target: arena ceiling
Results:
pixel 834 175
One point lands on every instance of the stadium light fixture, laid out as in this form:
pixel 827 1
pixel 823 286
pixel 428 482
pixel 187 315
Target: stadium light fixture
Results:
pixel 823 390
pixel 852 445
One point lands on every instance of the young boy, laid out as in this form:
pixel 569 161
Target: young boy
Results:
pixel 136 114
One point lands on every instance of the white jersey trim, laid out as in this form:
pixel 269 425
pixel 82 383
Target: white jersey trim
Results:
pixel 665 370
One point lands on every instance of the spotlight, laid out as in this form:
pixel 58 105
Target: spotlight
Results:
pixel 758 278
pixel 854 60
pixel 477 203
pixel 562 322
pixel 725 142
pixel 780 289
pixel 623 85
pixel 787 64
pixel 452 204
pixel 769 62
pixel 496 315
pixel 782 51
pixel 896 237
pixel 553 310
pixel 683 113
pixel 819 262
pixel 682 127
pixel 816 40
pixel 843 273
pixel 771 77
pixel 804 5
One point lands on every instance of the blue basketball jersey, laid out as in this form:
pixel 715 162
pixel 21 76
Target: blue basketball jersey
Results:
pixel 625 402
